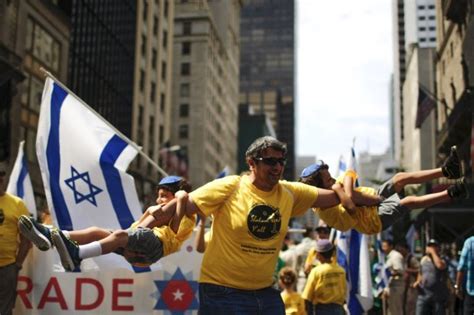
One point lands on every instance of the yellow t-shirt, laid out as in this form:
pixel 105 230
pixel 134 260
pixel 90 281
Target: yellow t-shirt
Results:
pixel 248 228
pixel 11 208
pixel 311 258
pixel 326 284
pixel 294 303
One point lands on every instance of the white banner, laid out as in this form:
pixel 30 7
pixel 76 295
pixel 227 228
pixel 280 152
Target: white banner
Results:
pixel 171 288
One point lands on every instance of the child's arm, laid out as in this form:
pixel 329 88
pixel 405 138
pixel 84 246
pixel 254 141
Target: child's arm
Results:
pixel 358 197
pixel 199 242
pixel 346 201
pixel 182 199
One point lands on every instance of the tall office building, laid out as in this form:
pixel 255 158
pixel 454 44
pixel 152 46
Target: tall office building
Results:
pixel 267 67
pixel 205 85
pixel 152 89
pixel 102 57
pixel 33 35
pixel 413 22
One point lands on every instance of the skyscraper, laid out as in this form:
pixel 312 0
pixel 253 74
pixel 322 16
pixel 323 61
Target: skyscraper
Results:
pixel 102 57
pixel 267 67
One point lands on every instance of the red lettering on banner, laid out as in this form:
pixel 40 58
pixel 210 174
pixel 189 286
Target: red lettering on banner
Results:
pixel 53 283
pixel 100 294
pixel 116 294
pixel 23 293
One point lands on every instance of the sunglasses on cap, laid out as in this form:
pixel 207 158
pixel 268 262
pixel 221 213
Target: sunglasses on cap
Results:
pixel 271 161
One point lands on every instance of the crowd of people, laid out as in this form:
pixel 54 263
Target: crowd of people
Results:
pixel 250 217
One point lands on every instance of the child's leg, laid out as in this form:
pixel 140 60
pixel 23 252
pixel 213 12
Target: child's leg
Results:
pixel 88 235
pixel 113 241
pixel 416 202
pixel 400 180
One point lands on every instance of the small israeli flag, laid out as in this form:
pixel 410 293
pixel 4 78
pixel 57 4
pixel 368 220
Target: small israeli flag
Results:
pixel 20 182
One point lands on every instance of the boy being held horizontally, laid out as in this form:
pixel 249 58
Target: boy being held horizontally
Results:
pixel 371 211
pixel 141 246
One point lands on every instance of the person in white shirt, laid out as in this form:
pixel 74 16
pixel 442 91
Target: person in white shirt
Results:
pixel 394 292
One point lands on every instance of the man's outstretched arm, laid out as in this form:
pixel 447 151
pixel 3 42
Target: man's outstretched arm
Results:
pixel 326 199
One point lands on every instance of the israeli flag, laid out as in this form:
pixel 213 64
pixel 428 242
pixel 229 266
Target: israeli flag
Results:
pixel 20 182
pixel 353 256
pixel 83 162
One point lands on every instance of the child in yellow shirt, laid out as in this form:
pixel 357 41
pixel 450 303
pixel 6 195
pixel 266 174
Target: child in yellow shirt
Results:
pixel 141 246
pixel 326 287
pixel 371 211
pixel 294 303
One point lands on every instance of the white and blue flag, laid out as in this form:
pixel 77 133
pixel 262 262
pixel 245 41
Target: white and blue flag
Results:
pixel 353 256
pixel 20 182
pixel 83 162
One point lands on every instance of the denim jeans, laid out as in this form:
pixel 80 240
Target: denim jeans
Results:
pixel 428 305
pixel 329 309
pixel 221 300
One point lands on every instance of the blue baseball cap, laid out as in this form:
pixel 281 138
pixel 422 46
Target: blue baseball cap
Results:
pixel 313 168
pixel 170 180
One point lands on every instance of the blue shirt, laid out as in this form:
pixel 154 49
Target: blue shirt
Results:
pixel 466 264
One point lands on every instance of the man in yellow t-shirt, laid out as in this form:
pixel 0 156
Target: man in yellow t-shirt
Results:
pixel 371 211
pixel 140 245
pixel 326 287
pixel 13 247
pixel 250 220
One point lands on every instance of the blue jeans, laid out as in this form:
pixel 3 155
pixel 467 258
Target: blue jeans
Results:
pixel 220 300
pixel 329 309
pixel 429 305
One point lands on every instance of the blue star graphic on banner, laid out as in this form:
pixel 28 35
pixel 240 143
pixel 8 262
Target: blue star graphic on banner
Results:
pixel 82 178
pixel 176 294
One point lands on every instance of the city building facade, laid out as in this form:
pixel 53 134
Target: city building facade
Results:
pixel 205 86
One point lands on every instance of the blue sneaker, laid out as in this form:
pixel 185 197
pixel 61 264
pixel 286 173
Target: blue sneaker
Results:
pixel 37 233
pixel 68 250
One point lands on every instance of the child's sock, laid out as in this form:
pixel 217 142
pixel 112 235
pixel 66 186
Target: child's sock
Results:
pixel 90 250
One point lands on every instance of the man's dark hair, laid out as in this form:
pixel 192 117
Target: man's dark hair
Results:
pixel 388 241
pixel 259 145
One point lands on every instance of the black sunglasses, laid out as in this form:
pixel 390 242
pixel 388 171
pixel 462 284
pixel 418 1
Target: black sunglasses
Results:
pixel 271 161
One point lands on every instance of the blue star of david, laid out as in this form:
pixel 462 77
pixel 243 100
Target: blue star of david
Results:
pixel 78 195
pixel 162 285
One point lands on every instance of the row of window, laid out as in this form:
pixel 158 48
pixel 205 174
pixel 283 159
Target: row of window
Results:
pixel 431 39
pixel 422 7
pixel 431 17
pixel 431 28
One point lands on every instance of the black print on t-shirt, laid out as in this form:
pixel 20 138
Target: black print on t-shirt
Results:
pixel 264 222
pixel 2 216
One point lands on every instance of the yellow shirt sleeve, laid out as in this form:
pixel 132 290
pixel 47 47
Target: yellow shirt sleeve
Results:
pixel 304 196
pixel 351 173
pixel 336 217
pixel 210 197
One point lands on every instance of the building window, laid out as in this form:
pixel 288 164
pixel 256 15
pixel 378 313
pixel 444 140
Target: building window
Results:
pixel 155 25
pixel 186 48
pixel 153 58
pixel 421 7
pixel 162 103
pixel 186 28
pixel 142 80
pixel 163 70
pixel 152 92
pixel 145 10
pixel 432 17
pixel 432 39
pixel 183 131
pixel 185 68
pixel 431 7
pixel 42 45
pixel 165 39
pixel 184 90
pixel 166 8
pixel 422 29
pixel 140 115
pixel 422 18
pixel 143 45
pixel 432 28
pixel 184 110
pixel 422 40
pixel 161 136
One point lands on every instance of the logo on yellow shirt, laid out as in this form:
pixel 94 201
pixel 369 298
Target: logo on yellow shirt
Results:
pixel 2 216
pixel 264 222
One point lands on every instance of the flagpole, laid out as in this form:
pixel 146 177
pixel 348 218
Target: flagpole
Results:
pixel 121 135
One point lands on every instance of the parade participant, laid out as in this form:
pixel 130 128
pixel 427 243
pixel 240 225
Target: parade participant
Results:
pixel 371 211
pixel 140 245
pixel 432 282
pixel 322 233
pixel 294 303
pixel 465 275
pixel 326 286
pixel 251 214
pixel 411 266
pixel 394 292
pixel 13 246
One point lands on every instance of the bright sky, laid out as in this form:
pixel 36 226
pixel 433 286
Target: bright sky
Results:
pixel 344 62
